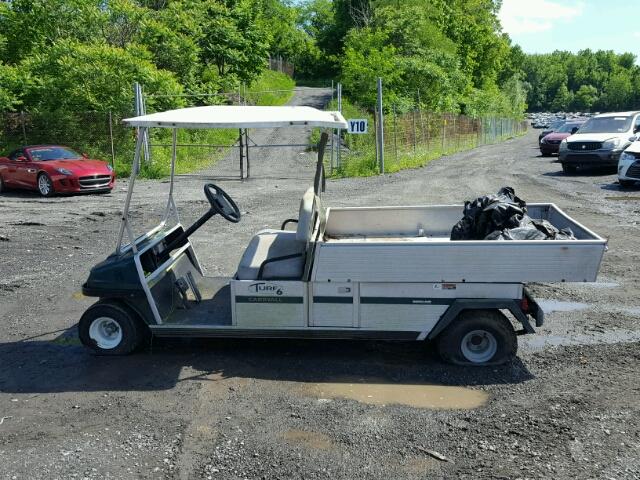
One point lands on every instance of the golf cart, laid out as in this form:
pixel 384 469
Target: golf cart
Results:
pixel 381 272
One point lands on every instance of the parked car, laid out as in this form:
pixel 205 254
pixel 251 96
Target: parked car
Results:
pixel 553 127
pixel 629 165
pixel 550 143
pixel 52 169
pixel 600 141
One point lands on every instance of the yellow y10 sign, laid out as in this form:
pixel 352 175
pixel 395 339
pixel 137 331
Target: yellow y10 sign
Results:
pixel 357 125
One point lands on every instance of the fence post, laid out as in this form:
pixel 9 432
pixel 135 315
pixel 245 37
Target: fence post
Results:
pixel 426 133
pixel 113 151
pixel 395 136
pixel 375 133
pixel 339 151
pixel 140 109
pixel 456 134
pixel 24 128
pixel 444 133
pixel 414 133
pixel 380 131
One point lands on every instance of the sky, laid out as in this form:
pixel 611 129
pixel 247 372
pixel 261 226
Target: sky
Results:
pixel 541 26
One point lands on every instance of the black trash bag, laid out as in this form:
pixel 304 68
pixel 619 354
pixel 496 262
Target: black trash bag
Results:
pixel 504 217
pixel 487 214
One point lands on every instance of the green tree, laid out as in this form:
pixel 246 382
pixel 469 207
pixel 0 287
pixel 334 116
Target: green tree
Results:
pixel 585 98
pixel 79 77
pixel 232 40
pixel 562 99
pixel 618 92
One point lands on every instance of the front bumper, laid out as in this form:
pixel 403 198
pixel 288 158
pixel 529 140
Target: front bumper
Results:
pixel 629 170
pixel 592 158
pixel 549 148
pixel 82 184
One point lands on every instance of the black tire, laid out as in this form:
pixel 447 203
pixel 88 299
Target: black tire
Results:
pixel 623 183
pixel 544 154
pixel 569 168
pixel 2 187
pixel 107 319
pixel 48 190
pixel 476 329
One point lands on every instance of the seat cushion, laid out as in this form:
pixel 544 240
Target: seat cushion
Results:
pixel 268 244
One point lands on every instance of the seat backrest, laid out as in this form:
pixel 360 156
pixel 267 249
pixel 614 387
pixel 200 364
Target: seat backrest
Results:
pixel 306 216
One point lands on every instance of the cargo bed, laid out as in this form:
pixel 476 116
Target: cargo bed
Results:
pixel 411 244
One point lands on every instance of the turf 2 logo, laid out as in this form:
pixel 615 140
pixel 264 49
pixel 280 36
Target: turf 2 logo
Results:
pixel 268 288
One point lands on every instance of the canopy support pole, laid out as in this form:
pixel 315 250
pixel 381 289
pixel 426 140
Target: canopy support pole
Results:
pixel 171 204
pixel 132 179
pixel 319 182
pixel 242 149
pixel 246 145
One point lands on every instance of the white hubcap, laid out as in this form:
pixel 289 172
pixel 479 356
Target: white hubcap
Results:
pixel 43 185
pixel 479 346
pixel 106 332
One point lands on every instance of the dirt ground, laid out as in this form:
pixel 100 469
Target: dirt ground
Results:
pixel 568 407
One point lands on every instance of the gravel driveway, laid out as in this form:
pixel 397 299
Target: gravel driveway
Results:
pixel 568 407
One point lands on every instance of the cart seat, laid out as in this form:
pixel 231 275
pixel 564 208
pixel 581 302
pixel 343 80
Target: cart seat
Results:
pixel 281 254
pixel 270 245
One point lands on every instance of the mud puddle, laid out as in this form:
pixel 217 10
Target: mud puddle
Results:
pixel 383 393
pixel 549 306
pixel 314 440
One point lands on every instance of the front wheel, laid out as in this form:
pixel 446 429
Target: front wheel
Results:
pixel 626 183
pixel 109 328
pixel 478 337
pixel 45 185
pixel 569 168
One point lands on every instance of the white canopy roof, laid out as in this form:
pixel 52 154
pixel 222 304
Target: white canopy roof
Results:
pixel 240 117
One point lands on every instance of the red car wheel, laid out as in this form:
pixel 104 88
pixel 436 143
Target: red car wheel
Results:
pixel 45 185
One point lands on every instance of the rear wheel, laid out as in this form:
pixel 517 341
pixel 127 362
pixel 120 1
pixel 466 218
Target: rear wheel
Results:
pixel 569 168
pixel 478 337
pixel 45 185
pixel 626 183
pixel 109 328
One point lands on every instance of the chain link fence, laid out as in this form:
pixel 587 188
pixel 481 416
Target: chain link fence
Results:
pixel 102 135
pixel 412 139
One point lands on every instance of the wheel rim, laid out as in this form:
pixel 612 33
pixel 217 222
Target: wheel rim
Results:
pixel 43 185
pixel 479 346
pixel 106 332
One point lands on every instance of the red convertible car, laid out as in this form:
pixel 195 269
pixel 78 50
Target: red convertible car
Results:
pixel 52 169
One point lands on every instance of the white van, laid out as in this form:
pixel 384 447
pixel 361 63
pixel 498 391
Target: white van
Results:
pixel 600 141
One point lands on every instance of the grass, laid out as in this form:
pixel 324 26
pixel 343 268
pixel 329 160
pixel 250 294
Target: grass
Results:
pixel 271 88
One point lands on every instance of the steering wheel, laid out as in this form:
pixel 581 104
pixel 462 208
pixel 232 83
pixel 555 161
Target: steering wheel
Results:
pixel 222 203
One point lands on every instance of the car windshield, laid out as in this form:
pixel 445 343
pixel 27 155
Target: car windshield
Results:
pixel 567 127
pixel 556 124
pixel 606 125
pixel 41 154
